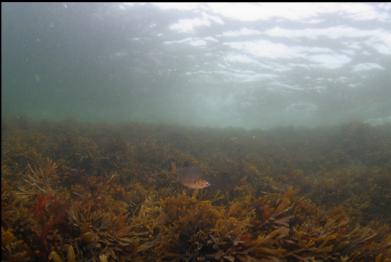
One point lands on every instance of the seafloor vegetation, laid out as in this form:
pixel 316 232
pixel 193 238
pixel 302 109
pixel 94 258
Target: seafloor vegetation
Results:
pixel 88 192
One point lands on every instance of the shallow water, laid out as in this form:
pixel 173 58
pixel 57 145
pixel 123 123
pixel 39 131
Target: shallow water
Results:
pixel 216 65
pixel 282 109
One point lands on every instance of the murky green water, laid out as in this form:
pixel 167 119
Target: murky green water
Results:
pixel 196 132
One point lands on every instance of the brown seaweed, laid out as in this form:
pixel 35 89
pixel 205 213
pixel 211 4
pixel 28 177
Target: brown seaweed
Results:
pixel 103 193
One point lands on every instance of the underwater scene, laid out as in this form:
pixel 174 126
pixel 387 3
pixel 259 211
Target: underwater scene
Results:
pixel 227 132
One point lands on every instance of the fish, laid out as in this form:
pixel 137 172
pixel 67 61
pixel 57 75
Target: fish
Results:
pixel 194 183
pixel 190 177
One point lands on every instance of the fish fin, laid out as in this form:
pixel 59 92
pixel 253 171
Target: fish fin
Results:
pixel 173 167
pixel 195 194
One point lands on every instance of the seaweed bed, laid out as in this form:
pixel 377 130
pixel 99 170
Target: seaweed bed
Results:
pixel 97 192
